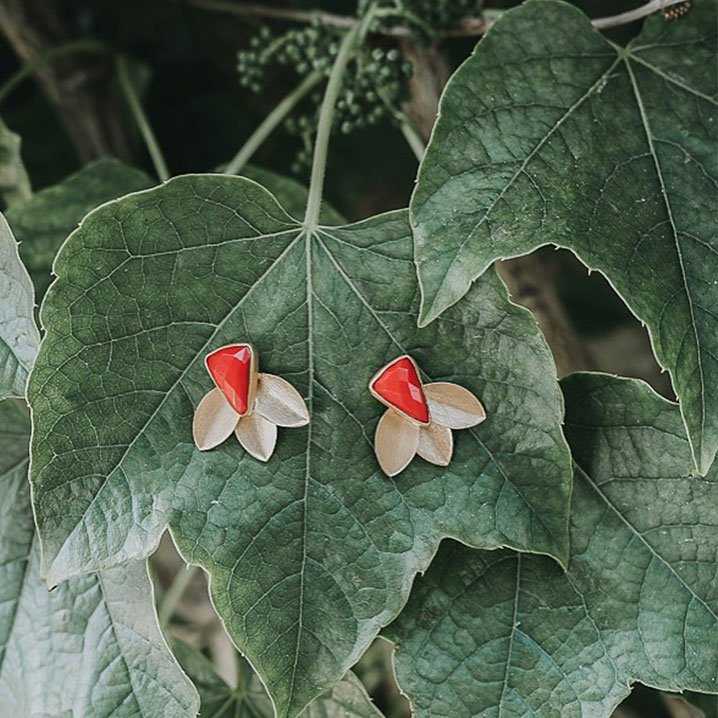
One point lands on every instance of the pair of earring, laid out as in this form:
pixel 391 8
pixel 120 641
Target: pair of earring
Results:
pixel 419 418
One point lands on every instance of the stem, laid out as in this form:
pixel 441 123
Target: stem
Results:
pixel 601 23
pixel 412 137
pixel 275 13
pixel 55 53
pixel 413 140
pixel 326 118
pixel 141 119
pixel 468 27
pixel 270 122
pixel 174 594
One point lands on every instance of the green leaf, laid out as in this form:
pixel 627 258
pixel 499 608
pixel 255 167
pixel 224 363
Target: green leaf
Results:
pixel 499 631
pixel 291 194
pixel 91 647
pixel 19 338
pixel 14 182
pixel 42 224
pixel 561 137
pixel 348 699
pixel 313 553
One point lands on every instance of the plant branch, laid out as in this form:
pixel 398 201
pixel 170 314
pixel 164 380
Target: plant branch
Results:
pixel 624 18
pixel 78 87
pixel 468 27
pixel 326 118
pixel 140 117
pixel 54 53
pixel 270 122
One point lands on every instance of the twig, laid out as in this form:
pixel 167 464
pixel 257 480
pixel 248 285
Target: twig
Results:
pixel 270 122
pixel 602 23
pixel 49 56
pixel 78 86
pixel 468 27
pixel 141 119
pixel 174 593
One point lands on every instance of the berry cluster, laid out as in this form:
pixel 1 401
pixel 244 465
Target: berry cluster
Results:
pixel 374 83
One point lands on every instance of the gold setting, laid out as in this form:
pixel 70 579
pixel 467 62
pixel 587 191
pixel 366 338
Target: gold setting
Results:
pixel 399 437
pixel 271 402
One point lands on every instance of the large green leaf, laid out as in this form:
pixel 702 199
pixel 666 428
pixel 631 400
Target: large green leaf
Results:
pixel 348 699
pixel 499 631
pixel 19 337
pixel 91 647
pixel 312 553
pixel 42 224
pixel 550 134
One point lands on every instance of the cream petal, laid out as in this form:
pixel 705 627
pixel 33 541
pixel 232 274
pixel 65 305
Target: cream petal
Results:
pixel 257 435
pixel 436 444
pixel 214 420
pixel 453 406
pixel 395 442
pixel 278 401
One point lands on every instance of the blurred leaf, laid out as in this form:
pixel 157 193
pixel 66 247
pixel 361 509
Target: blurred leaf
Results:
pixel 347 699
pixel 19 337
pixel 14 182
pixel 708 704
pixel 43 223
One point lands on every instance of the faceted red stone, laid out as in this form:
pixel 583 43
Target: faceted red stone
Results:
pixel 231 369
pixel 400 387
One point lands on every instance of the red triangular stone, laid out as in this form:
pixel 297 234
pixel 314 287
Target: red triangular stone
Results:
pixel 400 387
pixel 231 369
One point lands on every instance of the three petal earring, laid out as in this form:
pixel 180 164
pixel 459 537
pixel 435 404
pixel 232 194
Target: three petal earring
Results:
pixel 420 416
pixel 246 402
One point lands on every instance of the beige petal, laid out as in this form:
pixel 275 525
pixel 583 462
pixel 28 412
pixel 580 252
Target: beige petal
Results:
pixel 453 406
pixel 436 444
pixel 280 402
pixel 214 420
pixel 257 435
pixel 395 442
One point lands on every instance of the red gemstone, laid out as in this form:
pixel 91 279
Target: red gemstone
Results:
pixel 231 369
pixel 400 387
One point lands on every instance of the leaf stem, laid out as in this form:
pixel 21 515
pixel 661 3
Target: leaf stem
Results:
pixel 413 140
pixel 141 119
pixel 270 122
pixel 326 118
pixel 174 594
pixel 29 67
pixel 602 23
pixel 412 137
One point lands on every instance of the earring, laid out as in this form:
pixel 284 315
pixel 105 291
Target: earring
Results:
pixel 246 402
pixel 420 416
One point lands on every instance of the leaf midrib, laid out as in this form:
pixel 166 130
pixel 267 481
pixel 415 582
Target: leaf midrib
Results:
pixel 522 168
pixel 697 450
